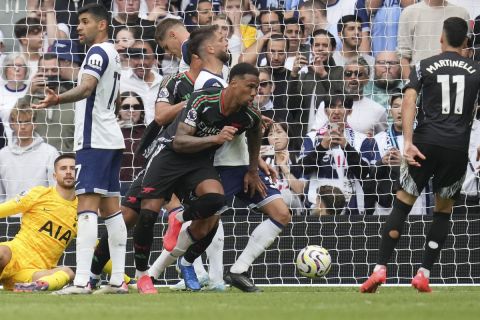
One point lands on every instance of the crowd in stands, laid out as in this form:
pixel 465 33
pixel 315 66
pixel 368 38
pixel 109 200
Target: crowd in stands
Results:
pixel 331 78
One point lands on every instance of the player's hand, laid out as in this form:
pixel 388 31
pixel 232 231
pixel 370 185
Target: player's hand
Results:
pixel 227 134
pixel 268 170
pixel 51 98
pixel 412 154
pixel 252 183
pixel 392 157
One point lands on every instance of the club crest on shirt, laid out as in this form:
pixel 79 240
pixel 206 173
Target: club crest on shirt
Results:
pixel 95 61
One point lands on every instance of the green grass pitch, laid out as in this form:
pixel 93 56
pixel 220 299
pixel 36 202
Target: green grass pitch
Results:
pixel 452 303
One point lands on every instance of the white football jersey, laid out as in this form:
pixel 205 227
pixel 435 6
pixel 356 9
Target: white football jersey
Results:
pixel 95 121
pixel 207 79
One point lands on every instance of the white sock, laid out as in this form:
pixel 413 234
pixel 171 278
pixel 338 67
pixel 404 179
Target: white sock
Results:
pixel 139 274
pixel 215 256
pixel 87 232
pixel 184 241
pixel 184 262
pixel 163 261
pixel 117 243
pixel 378 267
pixel 426 272
pixel 199 267
pixel 262 237
pixel 179 216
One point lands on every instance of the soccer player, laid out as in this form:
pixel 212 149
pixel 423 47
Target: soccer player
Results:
pixel 49 224
pixel 448 85
pixel 184 163
pixel 99 145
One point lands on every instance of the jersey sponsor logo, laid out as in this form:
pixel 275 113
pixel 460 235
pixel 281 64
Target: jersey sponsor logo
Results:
pixel 191 118
pixel 56 231
pixel 95 61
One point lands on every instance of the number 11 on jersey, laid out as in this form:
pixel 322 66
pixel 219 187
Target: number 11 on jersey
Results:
pixel 444 80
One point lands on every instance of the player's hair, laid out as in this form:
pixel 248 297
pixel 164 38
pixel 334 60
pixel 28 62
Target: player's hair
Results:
pixel 332 100
pixel 198 38
pixel 242 69
pixel 23 107
pixel 347 19
pixel 277 37
pixel 98 11
pixel 63 156
pixel 10 61
pixel 333 199
pixel 455 30
pixel 27 25
pixel 164 26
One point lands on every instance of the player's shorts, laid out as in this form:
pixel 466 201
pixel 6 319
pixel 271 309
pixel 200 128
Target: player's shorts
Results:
pixel 131 199
pixel 232 181
pixel 168 172
pixel 17 270
pixel 446 166
pixel 98 171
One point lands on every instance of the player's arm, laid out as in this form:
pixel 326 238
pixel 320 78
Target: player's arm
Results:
pixel 251 181
pixel 185 140
pixel 165 112
pixel 409 109
pixel 20 204
pixel 9 208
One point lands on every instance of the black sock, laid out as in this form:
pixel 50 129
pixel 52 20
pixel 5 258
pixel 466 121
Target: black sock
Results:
pixel 436 238
pixel 143 238
pixel 395 222
pixel 199 247
pixel 101 255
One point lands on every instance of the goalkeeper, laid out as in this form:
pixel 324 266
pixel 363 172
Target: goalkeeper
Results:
pixel 49 223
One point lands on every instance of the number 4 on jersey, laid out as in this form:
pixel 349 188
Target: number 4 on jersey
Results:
pixel 444 80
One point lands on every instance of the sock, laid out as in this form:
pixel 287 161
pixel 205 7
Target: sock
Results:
pixel 87 231
pixel 184 241
pixel 426 272
pixel 196 250
pixel 199 267
pixel 161 263
pixel 262 237
pixel 117 241
pixel 436 237
pixel 378 267
pixel 215 256
pixel 140 273
pixel 56 281
pixel 143 238
pixel 185 263
pixel 108 270
pixel 395 222
pixel 101 255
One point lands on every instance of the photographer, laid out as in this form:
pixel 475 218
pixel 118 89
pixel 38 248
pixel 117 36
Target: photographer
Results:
pixel 56 123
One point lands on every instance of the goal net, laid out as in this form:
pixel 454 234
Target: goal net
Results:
pixel 307 52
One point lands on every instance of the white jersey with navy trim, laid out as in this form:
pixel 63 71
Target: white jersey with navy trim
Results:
pixel 95 121
pixel 235 152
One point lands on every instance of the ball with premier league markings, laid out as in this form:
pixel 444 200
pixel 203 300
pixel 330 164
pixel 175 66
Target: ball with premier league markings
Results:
pixel 313 261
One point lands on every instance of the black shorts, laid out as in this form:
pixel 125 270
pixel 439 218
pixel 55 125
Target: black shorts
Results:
pixel 131 199
pixel 446 166
pixel 168 172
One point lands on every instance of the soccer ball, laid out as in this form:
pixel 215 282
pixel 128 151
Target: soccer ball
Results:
pixel 313 261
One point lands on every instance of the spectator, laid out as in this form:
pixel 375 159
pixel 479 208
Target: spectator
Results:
pixel 330 201
pixel 420 28
pixel 29 33
pixel 28 160
pixel 387 150
pixel 350 32
pixel 264 98
pixel 131 120
pixel 385 16
pixel 127 15
pixel 44 11
pixel 230 32
pixel 278 155
pixel 321 79
pixel 69 62
pixel 330 156
pixel 367 116
pixel 241 18
pixel 141 77
pixel 313 15
pixel 2 51
pixel 200 14
pixel 386 79
pixel 48 75
pixel 294 31
pixel 15 73
pixel 125 38
pixel 157 10
pixel 270 21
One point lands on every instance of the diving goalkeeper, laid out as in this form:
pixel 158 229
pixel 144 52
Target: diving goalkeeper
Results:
pixel 49 223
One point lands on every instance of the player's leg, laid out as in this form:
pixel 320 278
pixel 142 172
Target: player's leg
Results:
pixel 53 279
pixel 260 239
pixel 5 257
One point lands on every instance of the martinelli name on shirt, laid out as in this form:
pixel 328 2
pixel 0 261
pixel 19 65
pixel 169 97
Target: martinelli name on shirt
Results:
pixel 451 63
